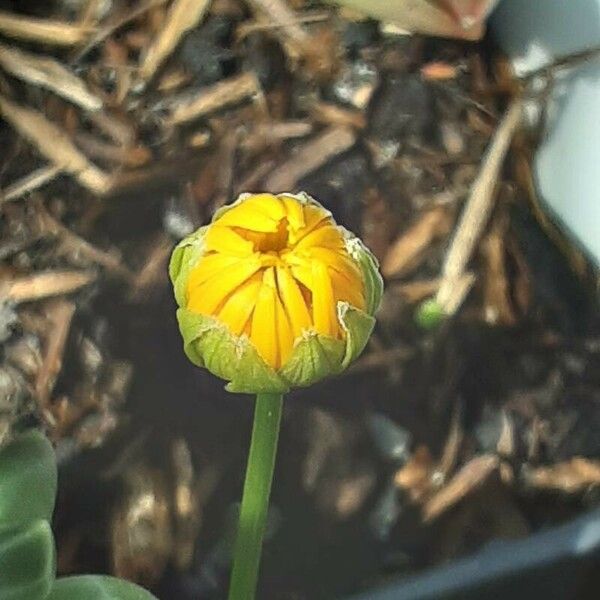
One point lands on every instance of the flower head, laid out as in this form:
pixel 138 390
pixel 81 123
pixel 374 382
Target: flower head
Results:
pixel 273 294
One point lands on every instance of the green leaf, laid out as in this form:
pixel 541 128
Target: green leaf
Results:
pixel 97 587
pixel 27 561
pixel 27 479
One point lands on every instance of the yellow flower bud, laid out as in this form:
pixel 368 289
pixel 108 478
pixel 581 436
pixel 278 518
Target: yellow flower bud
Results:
pixel 273 294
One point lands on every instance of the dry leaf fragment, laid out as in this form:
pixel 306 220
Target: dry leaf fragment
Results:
pixel 470 477
pixel 44 285
pixel 310 156
pixel 575 475
pixel 182 16
pixel 222 94
pixel 407 251
pixel 46 31
pixel 50 74
pixel 55 145
pixel 415 476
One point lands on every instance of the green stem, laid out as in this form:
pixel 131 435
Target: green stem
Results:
pixel 255 499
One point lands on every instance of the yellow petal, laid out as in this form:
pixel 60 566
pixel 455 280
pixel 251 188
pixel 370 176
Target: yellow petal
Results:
pixel 326 236
pixel 324 315
pixel 263 332
pixel 285 338
pixel 237 309
pixel 295 214
pixel 227 241
pixel 346 290
pixel 209 266
pixel 267 204
pixel 293 302
pixel 207 297
pixel 337 260
pixel 313 217
pixel 246 216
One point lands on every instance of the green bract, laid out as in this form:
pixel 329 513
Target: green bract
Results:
pixel 209 343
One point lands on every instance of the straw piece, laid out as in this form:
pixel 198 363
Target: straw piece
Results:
pixel 50 74
pixel 55 145
pixel 46 31
pixel 182 16
pixel 44 285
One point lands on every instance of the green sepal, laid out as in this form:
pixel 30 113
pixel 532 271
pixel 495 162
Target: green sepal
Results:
pixel 97 587
pixel 209 343
pixel 314 357
pixel 184 258
pixel 370 270
pixel 27 479
pixel 358 326
pixel 27 561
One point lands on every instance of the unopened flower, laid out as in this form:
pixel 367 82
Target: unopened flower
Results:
pixel 273 294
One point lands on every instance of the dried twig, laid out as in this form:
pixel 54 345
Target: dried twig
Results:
pixel 29 183
pixel 46 31
pixel 60 313
pixel 280 15
pixel 474 474
pixel 310 156
pixel 55 145
pixel 137 11
pixel 44 285
pixel 477 210
pixel 182 16
pixel 77 246
pixel 405 253
pixel 575 475
pixel 222 94
pixel 50 74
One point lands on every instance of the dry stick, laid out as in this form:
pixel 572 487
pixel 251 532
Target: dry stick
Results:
pixel 46 31
pixel 182 16
pixel 44 285
pixel 109 29
pixel 55 145
pixel 29 183
pixel 61 314
pixel 79 246
pixel 280 14
pixel 311 155
pixel 476 212
pixel 50 74
pixel 222 94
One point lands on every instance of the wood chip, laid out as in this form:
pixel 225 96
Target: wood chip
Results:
pixel 332 114
pixel 406 253
pixel 55 145
pixel 136 12
pixel 415 476
pixel 282 16
pixel 45 31
pixel 573 476
pixel 209 99
pixel 50 74
pixel 472 476
pixel 44 285
pixel 477 209
pixel 74 245
pixel 312 155
pixel 60 314
pixel 183 15
pixel 29 183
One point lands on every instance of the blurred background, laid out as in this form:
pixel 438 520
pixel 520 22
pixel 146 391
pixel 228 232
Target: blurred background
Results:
pixel 473 415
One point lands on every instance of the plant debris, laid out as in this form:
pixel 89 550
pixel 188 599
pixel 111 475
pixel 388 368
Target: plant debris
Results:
pixel 125 125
